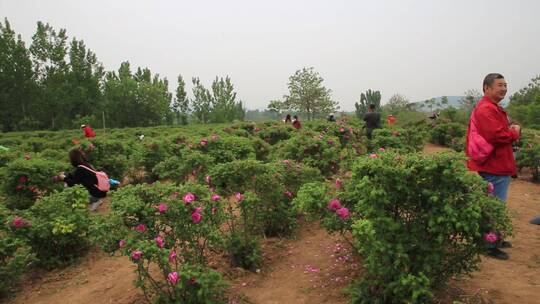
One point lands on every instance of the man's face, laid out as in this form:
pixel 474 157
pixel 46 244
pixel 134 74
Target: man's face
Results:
pixel 497 91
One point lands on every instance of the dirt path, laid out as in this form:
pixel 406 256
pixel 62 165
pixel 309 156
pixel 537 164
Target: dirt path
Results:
pixel 313 268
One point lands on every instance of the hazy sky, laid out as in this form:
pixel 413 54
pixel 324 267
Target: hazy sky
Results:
pixel 420 49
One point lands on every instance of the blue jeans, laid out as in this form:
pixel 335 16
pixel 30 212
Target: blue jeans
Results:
pixel 500 183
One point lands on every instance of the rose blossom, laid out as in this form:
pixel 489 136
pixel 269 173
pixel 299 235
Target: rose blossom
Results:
pixel 189 197
pixel 172 256
pixel 490 188
pixel 122 243
pixel 343 213
pixel 490 237
pixel 159 241
pixel 196 217
pixel 162 208
pixel 141 228
pixel 135 255
pixel 203 142
pixel 239 196
pixel 172 277
pixel 334 204
pixel 18 222
pixel 339 183
pixel 215 198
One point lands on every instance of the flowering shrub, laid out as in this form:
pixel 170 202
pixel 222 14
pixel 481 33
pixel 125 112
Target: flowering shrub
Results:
pixel 190 163
pixel 15 255
pixel 227 148
pixel 172 228
pixel 529 156
pixel 265 180
pixel 108 155
pixel 149 154
pixel 24 181
pixel 403 140
pixel 276 133
pixel 443 133
pixel 59 228
pixel 422 220
pixel 312 149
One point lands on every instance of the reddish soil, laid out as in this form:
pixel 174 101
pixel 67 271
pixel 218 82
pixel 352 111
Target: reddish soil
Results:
pixel 311 268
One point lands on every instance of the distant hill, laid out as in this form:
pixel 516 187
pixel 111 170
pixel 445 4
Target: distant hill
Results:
pixel 452 101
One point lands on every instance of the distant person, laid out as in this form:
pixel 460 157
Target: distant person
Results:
pixel 287 118
pixel 296 122
pixel 373 120
pixel 489 144
pixel 88 132
pixel 331 118
pixel 390 120
pixel 86 176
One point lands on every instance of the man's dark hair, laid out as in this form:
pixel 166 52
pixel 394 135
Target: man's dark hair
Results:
pixel 372 106
pixel 490 79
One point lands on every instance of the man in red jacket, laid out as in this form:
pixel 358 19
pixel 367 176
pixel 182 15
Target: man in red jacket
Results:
pixel 88 132
pixel 493 125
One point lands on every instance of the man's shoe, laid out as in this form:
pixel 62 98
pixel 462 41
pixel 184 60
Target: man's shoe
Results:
pixel 505 244
pixel 498 254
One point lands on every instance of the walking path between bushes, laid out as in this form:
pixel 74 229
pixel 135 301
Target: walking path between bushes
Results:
pixel 312 268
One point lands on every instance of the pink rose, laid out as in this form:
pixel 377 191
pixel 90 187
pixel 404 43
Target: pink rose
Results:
pixel 490 188
pixel 198 209
pixel 339 183
pixel 196 217
pixel 208 179
pixel 203 142
pixel 239 197
pixel 343 213
pixel 140 228
pixel 162 208
pixel 214 137
pixel 215 198
pixel 23 179
pixel 159 241
pixel 214 210
pixel 373 155
pixel 381 150
pixel 189 197
pixel 172 277
pixel 18 222
pixel 490 237
pixel 330 142
pixel 122 243
pixel 136 255
pixel 341 130
pixel 288 194
pixel 334 204
pixel 172 257
pixel 286 162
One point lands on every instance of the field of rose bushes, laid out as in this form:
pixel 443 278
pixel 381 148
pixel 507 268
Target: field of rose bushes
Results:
pixel 194 192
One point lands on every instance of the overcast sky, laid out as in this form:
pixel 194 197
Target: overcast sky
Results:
pixel 420 49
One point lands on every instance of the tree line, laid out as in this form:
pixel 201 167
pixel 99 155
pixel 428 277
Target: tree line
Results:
pixel 57 83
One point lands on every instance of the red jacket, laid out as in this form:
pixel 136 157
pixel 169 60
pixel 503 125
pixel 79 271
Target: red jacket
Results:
pixel 492 124
pixel 88 132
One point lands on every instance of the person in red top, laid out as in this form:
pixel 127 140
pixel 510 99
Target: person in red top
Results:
pixel 88 132
pixel 493 125
pixel 296 122
pixel 390 120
